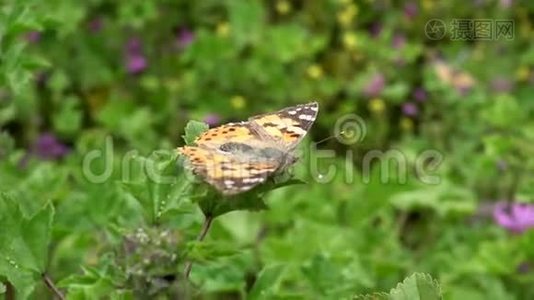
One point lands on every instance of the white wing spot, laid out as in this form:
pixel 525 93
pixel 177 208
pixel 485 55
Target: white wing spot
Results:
pixel 253 179
pixel 296 129
pixel 306 117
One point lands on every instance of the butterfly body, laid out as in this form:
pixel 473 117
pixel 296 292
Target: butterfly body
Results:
pixel 235 157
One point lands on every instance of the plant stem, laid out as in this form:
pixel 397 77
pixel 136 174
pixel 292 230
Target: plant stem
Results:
pixel 52 287
pixel 10 291
pixel 203 232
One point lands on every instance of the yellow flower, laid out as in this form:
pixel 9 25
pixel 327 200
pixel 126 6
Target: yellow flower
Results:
pixel 427 4
pixel 356 56
pixel 283 7
pixel 150 83
pixel 315 71
pixel 349 40
pixel 238 102
pixel 478 53
pixel 377 105
pixel 523 73
pixel 172 84
pixel 223 29
pixel 406 124
pixel 347 14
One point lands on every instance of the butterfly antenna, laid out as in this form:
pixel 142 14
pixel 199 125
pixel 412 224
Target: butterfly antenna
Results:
pixel 325 139
pixel 343 136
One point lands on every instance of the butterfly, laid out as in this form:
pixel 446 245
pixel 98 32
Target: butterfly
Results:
pixel 235 157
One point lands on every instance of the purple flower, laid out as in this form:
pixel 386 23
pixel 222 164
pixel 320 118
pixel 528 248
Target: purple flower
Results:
pixel 410 109
pixel 501 165
pixel 375 29
pixel 419 94
pixel 41 78
pixel 4 96
pixel 399 41
pixel 33 36
pixel 411 10
pixel 184 38
pixel 212 119
pixel 502 85
pixel 463 90
pixel 516 217
pixel 48 147
pixel 136 63
pixel 95 25
pixel 375 86
pixel 399 61
pixel 524 267
pixel 134 46
pixel 506 3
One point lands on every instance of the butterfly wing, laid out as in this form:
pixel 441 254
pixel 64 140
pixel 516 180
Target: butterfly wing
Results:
pixel 232 132
pixel 287 126
pixel 226 173
pixel 230 172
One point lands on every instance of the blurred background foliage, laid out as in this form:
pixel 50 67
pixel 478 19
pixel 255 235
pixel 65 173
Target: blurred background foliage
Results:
pixel 78 75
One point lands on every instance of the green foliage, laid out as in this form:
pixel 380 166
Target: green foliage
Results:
pixel 96 96
pixel 417 286
pixel 193 130
pixel 25 239
pixel 267 283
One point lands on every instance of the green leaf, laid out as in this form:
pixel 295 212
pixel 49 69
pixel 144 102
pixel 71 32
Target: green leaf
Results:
pixel 36 234
pixel 373 296
pixel 445 199
pixel 35 62
pixel 504 112
pixel 215 204
pixel 24 243
pixel 58 81
pixel 419 286
pixel 90 285
pixel 246 20
pixel 266 284
pixel 287 43
pixel 69 118
pixel 137 13
pixel 206 251
pixel 225 274
pixel 159 186
pixel 7 144
pixel 322 274
pixel 192 130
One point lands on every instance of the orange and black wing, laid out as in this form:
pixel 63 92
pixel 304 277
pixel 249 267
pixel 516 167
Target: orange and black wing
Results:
pixel 287 126
pixel 225 173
